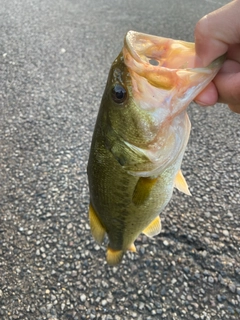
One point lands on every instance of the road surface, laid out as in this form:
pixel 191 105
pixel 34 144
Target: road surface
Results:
pixel 54 60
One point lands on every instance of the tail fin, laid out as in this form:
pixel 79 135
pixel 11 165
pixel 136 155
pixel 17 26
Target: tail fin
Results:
pixel 114 257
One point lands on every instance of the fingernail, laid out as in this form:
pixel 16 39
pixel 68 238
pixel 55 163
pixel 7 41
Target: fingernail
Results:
pixel 201 103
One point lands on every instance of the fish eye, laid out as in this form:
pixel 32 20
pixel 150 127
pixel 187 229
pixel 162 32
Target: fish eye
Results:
pixel 119 94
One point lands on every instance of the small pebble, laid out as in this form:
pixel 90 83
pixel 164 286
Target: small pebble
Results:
pixel 225 233
pixel 210 279
pixel 83 297
pixel 207 214
pixel 104 303
pixel 232 287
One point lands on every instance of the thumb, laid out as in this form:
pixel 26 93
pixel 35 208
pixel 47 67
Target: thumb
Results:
pixel 216 31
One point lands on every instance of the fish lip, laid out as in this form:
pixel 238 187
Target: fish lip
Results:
pixel 129 42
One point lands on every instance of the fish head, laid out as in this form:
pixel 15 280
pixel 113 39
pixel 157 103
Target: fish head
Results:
pixel 150 85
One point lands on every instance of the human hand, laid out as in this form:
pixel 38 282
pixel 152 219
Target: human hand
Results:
pixel 216 34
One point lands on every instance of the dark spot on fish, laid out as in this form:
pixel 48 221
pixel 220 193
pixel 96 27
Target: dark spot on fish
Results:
pixel 153 62
pixel 119 94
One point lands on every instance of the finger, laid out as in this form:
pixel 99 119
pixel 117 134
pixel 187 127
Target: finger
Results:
pixel 234 108
pixel 227 82
pixel 208 96
pixel 216 31
pixel 234 52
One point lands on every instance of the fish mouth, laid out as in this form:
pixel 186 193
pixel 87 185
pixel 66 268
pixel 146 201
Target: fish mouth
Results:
pixel 159 51
pixel 164 62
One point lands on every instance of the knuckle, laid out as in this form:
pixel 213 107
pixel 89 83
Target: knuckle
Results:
pixel 201 28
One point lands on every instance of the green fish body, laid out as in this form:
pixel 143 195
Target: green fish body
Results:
pixel 140 136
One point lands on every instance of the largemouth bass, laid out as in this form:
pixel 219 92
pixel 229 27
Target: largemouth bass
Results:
pixel 140 136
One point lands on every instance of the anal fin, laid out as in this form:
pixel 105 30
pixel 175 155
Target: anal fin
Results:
pixel 97 228
pixel 132 248
pixel 114 256
pixel 153 228
pixel 181 184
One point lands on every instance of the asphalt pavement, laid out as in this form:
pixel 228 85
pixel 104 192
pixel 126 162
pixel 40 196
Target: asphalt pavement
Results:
pixel 54 61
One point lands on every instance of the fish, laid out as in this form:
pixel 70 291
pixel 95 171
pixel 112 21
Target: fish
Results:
pixel 141 133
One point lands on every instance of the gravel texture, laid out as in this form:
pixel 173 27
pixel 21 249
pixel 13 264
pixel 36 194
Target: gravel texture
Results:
pixel 54 61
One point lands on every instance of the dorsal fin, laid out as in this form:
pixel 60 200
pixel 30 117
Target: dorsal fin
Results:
pixel 153 228
pixel 181 184
pixel 97 229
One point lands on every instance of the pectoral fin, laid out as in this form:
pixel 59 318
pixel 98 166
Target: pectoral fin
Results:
pixel 153 228
pixel 142 190
pixel 181 184
pixel 97 228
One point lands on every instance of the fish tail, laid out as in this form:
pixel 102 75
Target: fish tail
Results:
pixel 114 256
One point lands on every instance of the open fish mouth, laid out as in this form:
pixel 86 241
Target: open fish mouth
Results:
pixel 166 63
pixel 166 74
pixel 163 52
pixel 159 51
